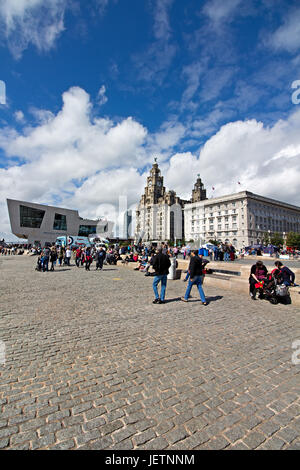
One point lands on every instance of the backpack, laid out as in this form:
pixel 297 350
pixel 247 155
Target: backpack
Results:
pixel 282 290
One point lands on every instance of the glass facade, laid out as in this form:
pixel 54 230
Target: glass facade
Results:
pixel 30 217
pixel 60 222
pixel 85 230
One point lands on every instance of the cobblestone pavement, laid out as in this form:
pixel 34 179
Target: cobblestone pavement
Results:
pixel 91 363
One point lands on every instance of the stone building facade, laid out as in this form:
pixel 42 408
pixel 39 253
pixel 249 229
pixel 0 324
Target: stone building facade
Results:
pixel 241 219
pixel 160 213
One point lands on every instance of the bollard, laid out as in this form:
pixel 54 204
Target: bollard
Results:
pixel 172 269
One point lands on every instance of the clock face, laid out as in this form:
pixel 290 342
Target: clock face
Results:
pixel 150 183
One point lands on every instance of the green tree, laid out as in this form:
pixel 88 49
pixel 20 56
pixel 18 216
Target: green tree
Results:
pixel 293 240
pixel 214 242
pixel 277 239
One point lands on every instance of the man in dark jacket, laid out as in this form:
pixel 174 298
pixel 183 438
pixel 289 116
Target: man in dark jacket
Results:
pixel 285 274
pixel 161 264
pixel 196 277
pixel 100 257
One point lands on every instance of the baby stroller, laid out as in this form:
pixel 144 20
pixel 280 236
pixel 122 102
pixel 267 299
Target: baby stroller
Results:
pixel 273 290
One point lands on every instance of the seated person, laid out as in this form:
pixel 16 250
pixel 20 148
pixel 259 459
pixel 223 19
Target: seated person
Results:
pixel 283 274
pixel 257 274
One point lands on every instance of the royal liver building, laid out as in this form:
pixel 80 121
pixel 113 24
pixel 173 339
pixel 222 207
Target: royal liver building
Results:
pixel 160 214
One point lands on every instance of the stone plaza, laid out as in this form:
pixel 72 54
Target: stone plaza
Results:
pixel 91 363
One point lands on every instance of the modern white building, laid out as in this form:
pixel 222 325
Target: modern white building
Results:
pixel 40 223
pixel 127 225
pixel 241 219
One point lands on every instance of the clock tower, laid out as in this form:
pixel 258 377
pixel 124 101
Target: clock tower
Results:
pixel 155 189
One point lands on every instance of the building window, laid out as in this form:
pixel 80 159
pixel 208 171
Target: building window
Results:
pixel 30 217
pixel 60 222
pixel 86 230
pixel 172 231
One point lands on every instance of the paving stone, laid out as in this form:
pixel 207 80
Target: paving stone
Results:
pixel 49 428
pixel 100 444
pixel 110 377
pixel 82 407
pixel 238 446
pixel 288 434
pixel 144 437
pixel 8 431
pixel 43 442
pixel 218 443
pixel 273 444
pixel 235 433
pixel 4 443
pixel 159 443
pixel 254 439
pixel 124 433
pixel 71 431
pixel 176 435
pixel 87 437
pixel 94 423
pixel 65 445
pixel 111 427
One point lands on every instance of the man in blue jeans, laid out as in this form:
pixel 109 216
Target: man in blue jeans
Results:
pixel 196 277
pixel 161 264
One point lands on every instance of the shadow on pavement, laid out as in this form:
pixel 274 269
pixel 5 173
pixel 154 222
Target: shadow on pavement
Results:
pixel 214 299
pixel 167 301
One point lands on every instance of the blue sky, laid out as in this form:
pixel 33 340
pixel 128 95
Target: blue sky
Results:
pixel 95 89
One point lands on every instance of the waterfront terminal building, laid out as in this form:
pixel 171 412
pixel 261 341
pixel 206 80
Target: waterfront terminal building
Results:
pixel 41 223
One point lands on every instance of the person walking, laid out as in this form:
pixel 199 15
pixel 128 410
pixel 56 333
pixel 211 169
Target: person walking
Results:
pixel 53 257
pixel 88 259
pixel 196 277
pixel 46 256
pixel 78 256
pixel 60 256
pixel 161 264
pixel 100 257
pixel 68 256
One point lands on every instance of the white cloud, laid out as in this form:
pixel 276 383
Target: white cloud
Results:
pixel 19 116
pixel 246 152
pixel 25 22
pixel 166 138
pixel 154 63
pixel 61 152
pixel 162 29
pixel 80 161
pixel 102 99
pixel 220 10
pixel 287 36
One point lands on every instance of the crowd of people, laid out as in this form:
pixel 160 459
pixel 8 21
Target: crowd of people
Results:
pixel 156 261
pixel 11 250
pixel 83 256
